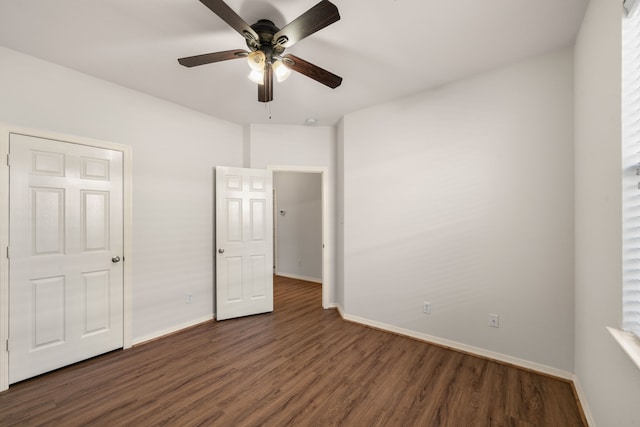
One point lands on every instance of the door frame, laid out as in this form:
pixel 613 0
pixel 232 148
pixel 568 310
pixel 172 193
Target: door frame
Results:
pixel 5 132
pixel 275 227
pixel 327 251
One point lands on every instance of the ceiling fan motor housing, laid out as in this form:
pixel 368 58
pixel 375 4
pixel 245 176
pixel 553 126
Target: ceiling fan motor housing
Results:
pixel 265 30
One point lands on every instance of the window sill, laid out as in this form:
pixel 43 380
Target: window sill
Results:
pixel 629 344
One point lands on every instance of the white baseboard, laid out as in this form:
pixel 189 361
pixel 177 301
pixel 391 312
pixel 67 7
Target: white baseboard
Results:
pixel 499 357
pixel 583 402
pixel 521 363
pixel 174 329
pixel 296 276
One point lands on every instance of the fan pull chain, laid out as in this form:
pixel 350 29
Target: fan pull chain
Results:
pixel 267 106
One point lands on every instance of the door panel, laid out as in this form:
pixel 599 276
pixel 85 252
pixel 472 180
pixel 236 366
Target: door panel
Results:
pixel 244 257
pixel 65 225
pixel 47 311
pixel 95 220
pixel 258 219
pixel 47 220
pixel 234 220
pixel 96 301
pixel 258 276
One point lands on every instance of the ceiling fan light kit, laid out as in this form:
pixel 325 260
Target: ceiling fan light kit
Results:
pixel 256 60
pixel 267 44
pixel 281 71
pixel 257 76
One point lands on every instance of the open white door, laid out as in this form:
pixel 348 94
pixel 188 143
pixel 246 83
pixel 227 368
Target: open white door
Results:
pixel 244 236
pixel 66 244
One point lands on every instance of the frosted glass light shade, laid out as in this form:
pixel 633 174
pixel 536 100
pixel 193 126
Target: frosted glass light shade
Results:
pixel 281 71
pixel 257 76
pixel 256 60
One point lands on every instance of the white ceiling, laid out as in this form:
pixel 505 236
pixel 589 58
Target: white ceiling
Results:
pixel 383 49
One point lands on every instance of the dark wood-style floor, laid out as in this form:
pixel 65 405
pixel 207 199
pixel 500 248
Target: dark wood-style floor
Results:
pixel 300 365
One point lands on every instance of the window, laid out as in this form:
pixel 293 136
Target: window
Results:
pixel 631 167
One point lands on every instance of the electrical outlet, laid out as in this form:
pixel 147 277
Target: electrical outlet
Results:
pixel 494 320
pixel 188 298
pixel 427 308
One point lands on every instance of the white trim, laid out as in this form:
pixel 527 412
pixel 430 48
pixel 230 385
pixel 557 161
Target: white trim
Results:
pixel 327 253
pixel 172 330
pixel 514 361
pixel 340 310
pixel 298 277
pixel 631 6
pixel 582 397
pixel 544 369
pixel 274 191
pixel 5 131
pixel 629 344
pixel 127 264
pixel 4 261
pixel 499 357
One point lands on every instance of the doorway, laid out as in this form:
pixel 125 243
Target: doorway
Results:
pixel 317 258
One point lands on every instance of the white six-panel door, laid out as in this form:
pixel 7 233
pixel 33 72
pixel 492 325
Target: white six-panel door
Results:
pixel 66 244
pixel 244 235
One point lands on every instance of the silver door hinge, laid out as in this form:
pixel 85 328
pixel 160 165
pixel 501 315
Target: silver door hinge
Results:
pixel 8 159
pixel 7 346
pixel 7 252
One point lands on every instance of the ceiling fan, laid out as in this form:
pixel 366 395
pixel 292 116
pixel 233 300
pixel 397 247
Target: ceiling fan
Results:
pixel 267 44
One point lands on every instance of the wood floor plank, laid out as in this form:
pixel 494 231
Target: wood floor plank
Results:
pixel 298 366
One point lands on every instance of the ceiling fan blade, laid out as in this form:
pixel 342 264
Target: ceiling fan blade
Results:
pixel 319 16
pixel 234 20
pixel 313 71
pixel 208 58
pixel 265 91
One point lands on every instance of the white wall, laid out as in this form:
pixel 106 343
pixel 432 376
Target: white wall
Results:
pixel 463 197
pixel 174 153
pixel 314 146
pixel 299 224
pixel 608 378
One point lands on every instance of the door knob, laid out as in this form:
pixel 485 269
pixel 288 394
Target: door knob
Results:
pixel 221 251
pixel 115 259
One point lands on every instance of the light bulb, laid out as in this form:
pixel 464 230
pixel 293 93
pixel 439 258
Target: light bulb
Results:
pixel 257 76
pixel 281 71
